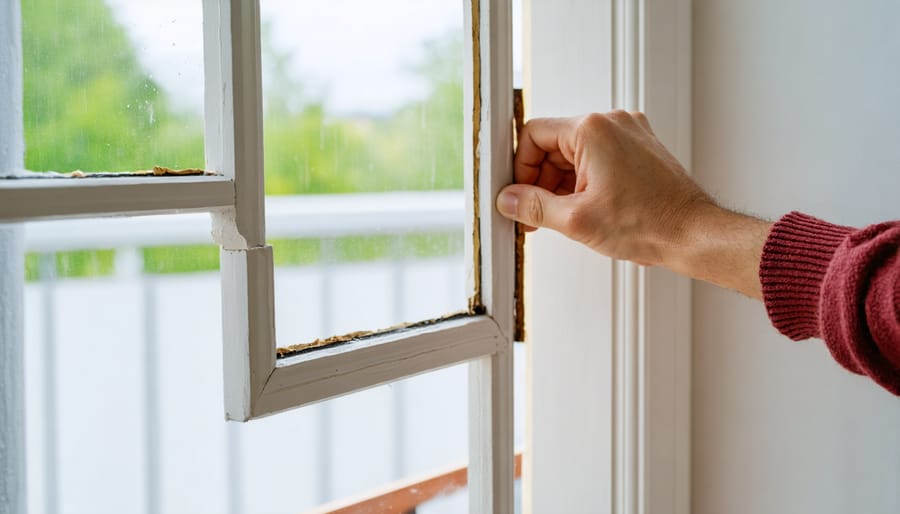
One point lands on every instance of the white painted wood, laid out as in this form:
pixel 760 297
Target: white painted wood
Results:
pixel 287 217
pixel 12 276
pixel 626 375
pixel 233 132
pixel 666 316
pixel 331 372
pixel 629 343
pixel 567 459
pixel 248 327
pixel 490 377
pixel 12 366
pixel 28 199
pixel 652 332
pixel 233 142
pixel 796 107
pixel 491 452
pixel 255 386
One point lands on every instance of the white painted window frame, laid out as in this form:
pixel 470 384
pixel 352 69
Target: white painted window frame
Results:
pixel 608 407
pixel 256 382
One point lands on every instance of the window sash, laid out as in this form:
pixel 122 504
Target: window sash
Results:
pixel 256 384
pixel 41 198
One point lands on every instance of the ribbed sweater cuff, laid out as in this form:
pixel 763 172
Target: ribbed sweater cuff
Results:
pixel 794 261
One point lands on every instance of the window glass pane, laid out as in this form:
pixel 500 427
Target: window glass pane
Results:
pixel 112 85
pixel 363 110
pixel 123 371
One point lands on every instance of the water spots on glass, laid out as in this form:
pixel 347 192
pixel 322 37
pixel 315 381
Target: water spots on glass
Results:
pixel 354 106
pixel 97 88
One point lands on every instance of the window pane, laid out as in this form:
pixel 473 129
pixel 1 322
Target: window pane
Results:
pixel 363 105
pixel 123 370
pixel 112 85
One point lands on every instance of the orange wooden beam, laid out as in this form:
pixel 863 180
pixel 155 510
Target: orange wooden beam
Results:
pixel 405 495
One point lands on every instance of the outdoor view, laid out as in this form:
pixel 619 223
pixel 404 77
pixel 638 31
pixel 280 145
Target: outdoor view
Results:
pixel 363 116
pixel 91 104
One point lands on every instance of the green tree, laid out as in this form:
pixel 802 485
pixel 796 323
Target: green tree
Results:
pixel 422 143
pixel 418 147
pixel 88 104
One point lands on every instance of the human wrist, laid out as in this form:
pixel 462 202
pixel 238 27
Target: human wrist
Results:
pixel 684 228
pixel 720 246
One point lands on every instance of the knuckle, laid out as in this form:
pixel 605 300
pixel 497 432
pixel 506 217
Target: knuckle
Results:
pixel 619 115
pixel 534 210
pixel 639 116
pixel 594 123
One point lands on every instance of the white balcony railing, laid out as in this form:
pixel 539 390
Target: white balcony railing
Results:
pixel 156 441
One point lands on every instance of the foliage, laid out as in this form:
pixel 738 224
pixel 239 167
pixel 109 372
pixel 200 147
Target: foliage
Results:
pixel 89 105
pixel 418 147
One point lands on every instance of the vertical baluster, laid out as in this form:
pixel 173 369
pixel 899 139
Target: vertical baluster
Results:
pixel 324 453
pixel 47 267
pixel 398 297
pixel 130 263
pixel 234 477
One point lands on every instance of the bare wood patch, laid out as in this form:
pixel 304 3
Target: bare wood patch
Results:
pixel 475 302
pixel 157 171
pixel 296 349
pixel 519 294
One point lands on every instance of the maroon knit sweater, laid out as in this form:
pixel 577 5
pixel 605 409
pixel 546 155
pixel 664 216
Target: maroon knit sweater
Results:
pixel 841 284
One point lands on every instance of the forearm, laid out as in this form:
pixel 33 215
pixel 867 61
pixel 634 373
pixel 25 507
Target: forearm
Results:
pixel 721 247
pixel 840 284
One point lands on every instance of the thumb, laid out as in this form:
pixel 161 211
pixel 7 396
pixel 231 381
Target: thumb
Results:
pixel 533 206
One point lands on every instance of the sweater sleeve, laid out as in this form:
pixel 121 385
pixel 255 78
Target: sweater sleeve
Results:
pixel 840 284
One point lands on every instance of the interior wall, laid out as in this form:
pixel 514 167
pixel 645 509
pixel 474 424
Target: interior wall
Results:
pixel 796 106
pixel 568 430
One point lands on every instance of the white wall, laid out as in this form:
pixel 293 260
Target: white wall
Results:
pixel 569 308
pixel 796 106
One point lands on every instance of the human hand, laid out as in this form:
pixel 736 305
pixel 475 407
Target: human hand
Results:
pixel 606 181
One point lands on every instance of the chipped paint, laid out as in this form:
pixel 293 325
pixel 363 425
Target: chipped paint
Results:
pixel 296 349
pixel 519 294
pixel 157 171
pixel 475 302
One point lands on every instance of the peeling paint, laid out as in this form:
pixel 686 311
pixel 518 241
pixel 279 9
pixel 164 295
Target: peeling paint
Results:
pixel 296 349
pixel 224 230
pixel 157 171
pixel 519 294
pixel 475 302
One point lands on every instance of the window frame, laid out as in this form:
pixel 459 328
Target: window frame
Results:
pixel 608 406
pixel 259 384
pixel 256 382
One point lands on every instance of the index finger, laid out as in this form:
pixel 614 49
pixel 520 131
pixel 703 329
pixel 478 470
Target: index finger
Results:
pixel 542 136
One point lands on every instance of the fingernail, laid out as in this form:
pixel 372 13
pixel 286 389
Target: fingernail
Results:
pixel 507 204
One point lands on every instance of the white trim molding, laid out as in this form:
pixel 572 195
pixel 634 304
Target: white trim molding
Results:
pixel 12 276
pixel 609 395
pixel 651 435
